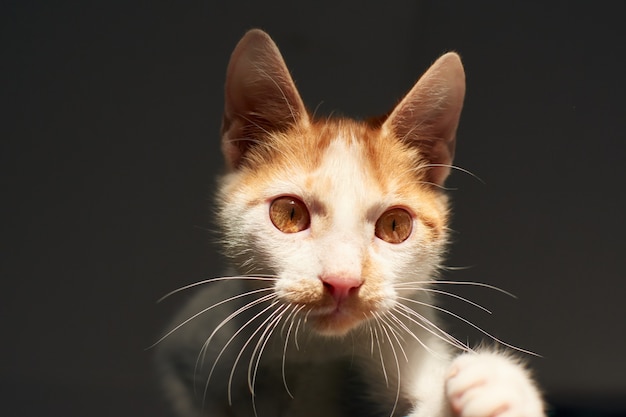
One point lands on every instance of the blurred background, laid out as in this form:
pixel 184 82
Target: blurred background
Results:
pixel 109 149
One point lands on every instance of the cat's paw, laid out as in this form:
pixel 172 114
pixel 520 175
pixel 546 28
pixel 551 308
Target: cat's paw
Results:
pixel 491 385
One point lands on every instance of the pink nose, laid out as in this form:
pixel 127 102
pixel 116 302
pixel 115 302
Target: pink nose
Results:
pixel 340 287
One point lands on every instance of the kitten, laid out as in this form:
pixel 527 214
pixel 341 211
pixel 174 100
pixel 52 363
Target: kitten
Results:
pixel 335 229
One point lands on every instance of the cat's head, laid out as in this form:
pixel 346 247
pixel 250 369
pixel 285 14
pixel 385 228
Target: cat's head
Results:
pixel 340 211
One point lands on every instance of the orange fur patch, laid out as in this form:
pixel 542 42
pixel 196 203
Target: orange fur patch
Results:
pixel 395 166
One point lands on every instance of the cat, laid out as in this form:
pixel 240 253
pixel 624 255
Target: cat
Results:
pixel 336 230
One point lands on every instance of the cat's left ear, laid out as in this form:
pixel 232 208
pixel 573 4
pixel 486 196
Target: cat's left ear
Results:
pixel 260 97
pixel 428 116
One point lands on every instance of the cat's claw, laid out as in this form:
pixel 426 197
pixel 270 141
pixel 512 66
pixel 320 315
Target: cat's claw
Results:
pixel 490 385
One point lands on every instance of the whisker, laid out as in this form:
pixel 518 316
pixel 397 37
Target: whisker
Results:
pixel 372 339
pixel 455 268
pixel 401 326
pixel 395 355
pixel 445 282
pixel 395 334
pixel 210 280
pixel 441 187
pixel 474 326
pixel 411 333
pixel 435 328
pixel 292 316
pixel 245 345
pixel 206 386
pixel 202 354
pixel 382 361
pixel 265 337
pixel 428 326
pixel 465 171
pixel 306 316
pixel 429 183
pixel 448 294
pixel 293 311
pixel 295 335
pixel 267 324
pixel 204 311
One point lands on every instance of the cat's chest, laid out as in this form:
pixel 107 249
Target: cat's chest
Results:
pixel 339 387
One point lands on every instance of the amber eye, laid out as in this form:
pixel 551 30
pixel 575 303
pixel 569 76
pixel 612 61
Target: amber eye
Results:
pixel 394 226
pixel 289 215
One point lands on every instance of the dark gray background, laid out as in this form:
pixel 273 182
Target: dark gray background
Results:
pixel 110 118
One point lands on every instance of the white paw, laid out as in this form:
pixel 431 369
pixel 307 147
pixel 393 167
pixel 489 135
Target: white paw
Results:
pixel 491 385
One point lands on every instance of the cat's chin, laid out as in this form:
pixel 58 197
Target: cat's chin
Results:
pixel 334 324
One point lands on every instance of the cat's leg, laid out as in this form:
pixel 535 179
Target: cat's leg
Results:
pixel 489 384
pixel 484 384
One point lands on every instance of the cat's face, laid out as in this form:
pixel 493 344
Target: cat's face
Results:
pixel 341 212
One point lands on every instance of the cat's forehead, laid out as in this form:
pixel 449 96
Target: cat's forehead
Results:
pixel 342 183
pixel 327 161
pixel 361 163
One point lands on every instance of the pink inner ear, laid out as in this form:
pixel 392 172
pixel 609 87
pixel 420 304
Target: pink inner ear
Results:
pixel 428 116
pixel 260 96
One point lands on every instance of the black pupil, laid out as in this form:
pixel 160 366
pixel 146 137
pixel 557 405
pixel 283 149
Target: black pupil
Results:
pixel 292 213
pixel 393 225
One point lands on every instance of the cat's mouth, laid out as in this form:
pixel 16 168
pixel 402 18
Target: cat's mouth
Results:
pixel 330 312
pixel 336 320
pixel 334 324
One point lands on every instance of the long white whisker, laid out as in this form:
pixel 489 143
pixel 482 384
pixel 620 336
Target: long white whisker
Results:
pixel 394 333
pixel 411 333
pixel 265 337
pixel 431 326
pixel 291 318
pixel 395 356
pixel 372 339
pixel 401 327
pixel 455 268
pixel 202 353
pixel 210 280
pixel 424 323
pixel 205 310
pixel 380 350
pixel 273 319
pixel 206 386
pixel 474 326
pixel 266 325
pixel 293 311
pixel 295 335
pixel 245 345
pixel 449 294
pixel 470 283
pixel 456 168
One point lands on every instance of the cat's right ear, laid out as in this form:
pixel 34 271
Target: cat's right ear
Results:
pixel 428 116
pixel 260 96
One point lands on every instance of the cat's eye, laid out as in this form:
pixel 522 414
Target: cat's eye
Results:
pixel 289 215
pixel 394 226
